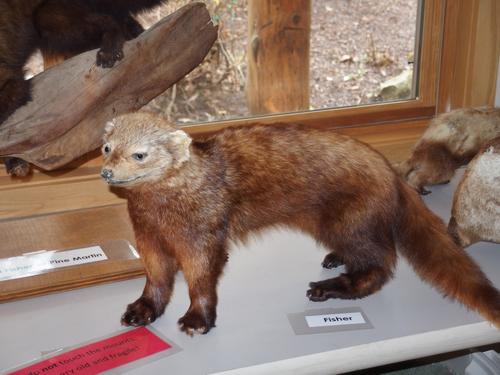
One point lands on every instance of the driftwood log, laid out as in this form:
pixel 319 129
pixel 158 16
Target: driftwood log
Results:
pixel 73 100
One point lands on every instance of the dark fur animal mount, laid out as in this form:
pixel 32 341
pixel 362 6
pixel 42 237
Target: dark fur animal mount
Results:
pixel 187 199
pixel 451 140
pixel 73 100
pixel 60 29
pixel 475 215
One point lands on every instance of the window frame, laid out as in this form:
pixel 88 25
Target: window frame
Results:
pixel 422 107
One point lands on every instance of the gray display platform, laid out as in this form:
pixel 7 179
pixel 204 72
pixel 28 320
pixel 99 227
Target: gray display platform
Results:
pixel 265 281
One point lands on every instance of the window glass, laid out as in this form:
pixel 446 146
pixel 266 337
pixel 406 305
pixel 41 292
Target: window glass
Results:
pixel 357 52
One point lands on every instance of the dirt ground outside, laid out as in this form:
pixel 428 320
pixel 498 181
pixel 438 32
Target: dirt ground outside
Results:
pixel 356 45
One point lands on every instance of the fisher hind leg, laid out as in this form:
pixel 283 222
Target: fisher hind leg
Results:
pixel 369 261
pixel 349 285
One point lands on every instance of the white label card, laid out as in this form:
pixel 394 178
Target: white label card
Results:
pixel 35 263
pixel 340 319
pixel 329 320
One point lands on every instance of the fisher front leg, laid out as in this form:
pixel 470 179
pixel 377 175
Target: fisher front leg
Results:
pixel 161 268
pixel 202 271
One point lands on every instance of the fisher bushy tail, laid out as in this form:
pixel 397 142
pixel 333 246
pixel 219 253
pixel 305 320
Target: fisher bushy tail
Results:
pixel 422 238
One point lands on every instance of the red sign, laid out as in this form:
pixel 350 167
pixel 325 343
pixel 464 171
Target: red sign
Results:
pixel 101 355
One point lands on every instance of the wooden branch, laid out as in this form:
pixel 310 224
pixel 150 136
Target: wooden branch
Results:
pixel 73 100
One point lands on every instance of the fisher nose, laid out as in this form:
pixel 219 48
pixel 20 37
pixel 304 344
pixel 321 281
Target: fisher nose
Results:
pixel 107 174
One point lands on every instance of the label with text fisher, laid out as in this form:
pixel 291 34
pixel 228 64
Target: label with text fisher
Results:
pixel 328 320
pixel 38 262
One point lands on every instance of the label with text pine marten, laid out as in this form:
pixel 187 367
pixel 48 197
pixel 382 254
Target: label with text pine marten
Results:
pixel 38 262
pixel 328 320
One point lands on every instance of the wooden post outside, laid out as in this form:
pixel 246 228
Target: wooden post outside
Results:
pixel 278 55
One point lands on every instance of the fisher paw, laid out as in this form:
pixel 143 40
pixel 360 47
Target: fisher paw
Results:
pixel 331 261
pixel 316 293
pixel 193 322
pixel 139 313
pixel 17 167
pixel 107 59
pixel 331 288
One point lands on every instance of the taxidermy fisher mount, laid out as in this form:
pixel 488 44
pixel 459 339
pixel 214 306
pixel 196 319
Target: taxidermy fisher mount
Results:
pixel 73 100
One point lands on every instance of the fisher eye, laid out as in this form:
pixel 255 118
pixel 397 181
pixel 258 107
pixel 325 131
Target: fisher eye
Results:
pixel 106 149
pixel 139 156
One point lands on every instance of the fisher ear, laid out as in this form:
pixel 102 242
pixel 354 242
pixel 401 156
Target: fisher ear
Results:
pixel 109 127
pixel 179 143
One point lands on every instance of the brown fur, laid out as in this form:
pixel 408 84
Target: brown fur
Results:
pixel 475 215
pixel 451 140
pixel 188 199
pixel 60 29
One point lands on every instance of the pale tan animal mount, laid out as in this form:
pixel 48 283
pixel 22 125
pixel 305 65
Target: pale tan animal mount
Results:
pixel 451 140
pixel 475 214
